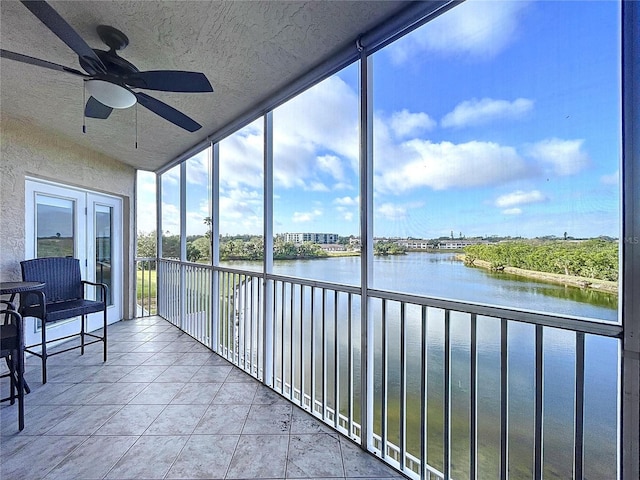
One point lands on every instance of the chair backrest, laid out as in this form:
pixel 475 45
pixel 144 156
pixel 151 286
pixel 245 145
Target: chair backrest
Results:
pixel 61 276
pixel 10 331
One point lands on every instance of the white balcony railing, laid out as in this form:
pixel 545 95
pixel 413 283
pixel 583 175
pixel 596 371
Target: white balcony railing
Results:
pixel 432 362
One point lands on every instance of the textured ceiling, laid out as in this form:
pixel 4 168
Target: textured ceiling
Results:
pixel 248 51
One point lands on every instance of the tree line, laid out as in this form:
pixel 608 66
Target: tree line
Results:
pixel 243 247
pixel 594 258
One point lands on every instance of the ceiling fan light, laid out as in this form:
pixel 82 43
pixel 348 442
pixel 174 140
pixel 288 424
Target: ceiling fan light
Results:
pixel 110 94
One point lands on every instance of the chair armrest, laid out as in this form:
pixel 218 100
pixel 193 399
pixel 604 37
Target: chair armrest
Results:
pixel 10 305
pixel 102 286
pixel 33 307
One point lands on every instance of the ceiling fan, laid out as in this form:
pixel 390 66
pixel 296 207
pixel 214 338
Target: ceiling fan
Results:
pixel 109 78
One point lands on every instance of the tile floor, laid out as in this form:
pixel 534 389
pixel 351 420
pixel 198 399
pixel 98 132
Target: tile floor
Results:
pixel 165 407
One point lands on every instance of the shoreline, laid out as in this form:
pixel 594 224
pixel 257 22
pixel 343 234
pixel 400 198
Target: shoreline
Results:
pixel 606 286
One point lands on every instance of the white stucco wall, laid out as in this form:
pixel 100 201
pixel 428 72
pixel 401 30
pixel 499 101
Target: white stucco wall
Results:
pixel 28 151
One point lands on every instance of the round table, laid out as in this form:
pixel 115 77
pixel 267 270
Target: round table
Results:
pixel 11 288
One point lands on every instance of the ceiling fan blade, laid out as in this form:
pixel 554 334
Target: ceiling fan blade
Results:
pixel 58 25
pixel 169 81
pixel 167 112
pixel 18 57
pixel 96 109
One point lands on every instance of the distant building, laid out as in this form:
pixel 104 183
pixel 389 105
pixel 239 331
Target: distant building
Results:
pixel 333 247
pixel 414 244
pixel 299 238
pixel 457 244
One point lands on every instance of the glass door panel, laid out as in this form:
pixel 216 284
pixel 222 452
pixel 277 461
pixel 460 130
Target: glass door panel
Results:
pixel 55 232
pixel 104 242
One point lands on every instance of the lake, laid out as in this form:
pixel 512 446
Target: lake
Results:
pixel 441 275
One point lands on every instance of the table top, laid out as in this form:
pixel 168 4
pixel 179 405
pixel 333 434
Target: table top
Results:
pixel 7 288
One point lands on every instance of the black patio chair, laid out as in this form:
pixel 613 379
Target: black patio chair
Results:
pixel 12 350
pixel 64 292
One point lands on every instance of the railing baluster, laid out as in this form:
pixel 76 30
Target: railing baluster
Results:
pixel 336 364
pixel 313 351
pixel 423 394
pixel 231 316
pixel 236 319
pixel 350 365
pixel 254 365
pixel 473 427
pixel 142 275
pixel 324 357
pixel 578 455
pixel 302 352
pixel 447 394
pixel 245 320
pixel 539 385
pixel 282 353
pixel 250 324
pixel 383 375
pixel 504 402
pixel 292 370
pixel 403 386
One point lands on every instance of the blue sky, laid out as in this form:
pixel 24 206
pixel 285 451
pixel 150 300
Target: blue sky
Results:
pixel 496 118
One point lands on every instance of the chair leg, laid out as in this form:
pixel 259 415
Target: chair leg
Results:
pixel 12 380
pixel 19 364
pixel 104 334
pixel 82 329
pixel 44 352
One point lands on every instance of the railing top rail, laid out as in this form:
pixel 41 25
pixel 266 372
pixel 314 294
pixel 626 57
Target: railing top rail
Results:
pixel 185 262
pixel 299 281
pixel 564 322
pixel 146 259
pixel 317 283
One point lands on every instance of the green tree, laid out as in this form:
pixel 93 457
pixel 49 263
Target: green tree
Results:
pixel 199 249
pixel 171 246
pixel 388 248
pixel 146 244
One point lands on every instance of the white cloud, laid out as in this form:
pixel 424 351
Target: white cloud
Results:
pixel 563 157
pixel 512 211
pixel 170 219
pixel 316 187
pixel 347 201
pixel 520 197
pixel 331 165
pixel 240 211
pixel 390 211
pixel 611 179
pixel 316 133
pixel 479 29
pixel 478 112
pixel 346 207
pixel 198 168
pixel 305 217
pixel 241 157
pixel 405 123
pixel 171 177
pixel 420 163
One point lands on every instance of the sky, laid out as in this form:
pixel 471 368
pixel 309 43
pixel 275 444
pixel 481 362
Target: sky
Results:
pixel 496 118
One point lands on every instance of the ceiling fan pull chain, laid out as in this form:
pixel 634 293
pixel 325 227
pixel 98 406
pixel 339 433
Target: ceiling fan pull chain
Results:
pixel 84 118
pixel 136 125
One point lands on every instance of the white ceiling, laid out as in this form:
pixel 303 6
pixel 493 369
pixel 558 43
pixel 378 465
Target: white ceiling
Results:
pixel 247 49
